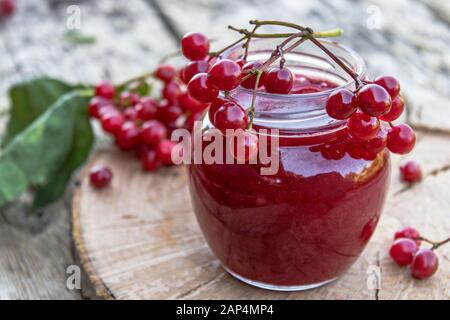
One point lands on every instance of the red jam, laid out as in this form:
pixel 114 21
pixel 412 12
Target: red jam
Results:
pixel 306 224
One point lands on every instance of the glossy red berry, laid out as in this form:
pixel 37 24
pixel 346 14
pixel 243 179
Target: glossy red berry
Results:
pixel 164 151
pixel 100 176
pixel 130 113
pixel 397 107
pixel 374 100
pixel 171 92
pixel 251 81
pixel 128 99
pixel 230 116
pixel 105 90
pixel 169 114
pixel 95 104
pixel 402 251
pixel 7 7
pixel 200 90
pixel 112 122
pixel 149 160
pixel 128 137
pixel 152 132
pixel 425 264
pixel 224 75
pixel 195 46
pixel 165 73
pixel 363 126
pixel 410 171
pixel 241 62
pixel 408 232
pixel 245 146
pixel 188 103
pixel 401 139
pixel 389 83
pixel 193 68
pixel 214 106
pixel 279 80
pixel 377 144
pixel 146 109
pixel 341 104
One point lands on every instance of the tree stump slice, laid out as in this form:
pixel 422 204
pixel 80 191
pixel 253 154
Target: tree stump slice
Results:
pixel 139 239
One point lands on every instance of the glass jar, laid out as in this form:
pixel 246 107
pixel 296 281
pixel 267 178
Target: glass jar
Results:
pixel 305 225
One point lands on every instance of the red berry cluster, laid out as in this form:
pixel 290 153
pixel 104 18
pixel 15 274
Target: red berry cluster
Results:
pixel 7 8
pixel 144 124
pixel 363 109
pixel 406 251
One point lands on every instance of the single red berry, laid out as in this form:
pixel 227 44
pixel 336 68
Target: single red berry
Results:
pixel 7 7
pixel 193 68
pixel 230 116
pixel 164 151
pixel 377 144
pixel 374 100
pixel 149 160
pixel 214 106
pixel 105 90
pixel 224 75
pixel 200 90
pixel 397 107
pixel 341 104
pixel 169 114
pixel 95 104
pixel 425 264
pixel 131 114
pixel 279 80
pixel 389 83
pixel 171 92
pixel 245 146
pixel 153 132
pixel 112 122
pixel 129 99
pixel 251 81
pixel 188 103
pixel 128 136
pixel 165 73
pixel 363 126
pixel 106 110
pixel 146 109
pixel 100 176
pixel 411 171
pixel 408 232
pixel 401 139
pixel 402 251
pixel 195 46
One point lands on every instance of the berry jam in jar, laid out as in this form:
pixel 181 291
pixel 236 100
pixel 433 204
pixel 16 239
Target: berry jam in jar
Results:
pixel 307 223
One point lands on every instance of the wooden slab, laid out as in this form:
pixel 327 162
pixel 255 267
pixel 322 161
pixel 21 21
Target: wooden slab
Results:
pixel 139 239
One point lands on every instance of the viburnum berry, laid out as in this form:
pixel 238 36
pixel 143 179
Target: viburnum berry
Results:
pixel 153 132
pixel 146 109
pixel 401 139
pixel 200 90
pixel 195 46
pixel 130 113
pixel 169 114
pixel 112 122
pixel 7 7
pixel 128 136
pixel 230 116
pixel 171 92
pixel 188 103
pixel 128 99
pixel 341 104
pixel 397 107
pixel 408 232
pixel 425 264
pixel 279 80
pixel 241 62
pixel 245 146
pixel 251 81
pixel 363 126
pixel 149 160
pixel 389 83
pixel 164 151
pixel 410 171
pixel 165 73
pixel 95 104
pixel 193 68
pixel 374 100
pixel 403 250
pixel 214 106
pixel 224 75
pixel 100 176
pixel 378 143
pixel 105 90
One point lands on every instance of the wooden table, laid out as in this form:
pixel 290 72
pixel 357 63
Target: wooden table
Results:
pixel 133 35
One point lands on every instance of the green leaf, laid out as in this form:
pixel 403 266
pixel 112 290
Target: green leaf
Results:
pixel 46 153
pixel 77 37
pixel 29 100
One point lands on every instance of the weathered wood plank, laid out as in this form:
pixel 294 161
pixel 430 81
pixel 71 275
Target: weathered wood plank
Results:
pixel 147 245
pixel 34 252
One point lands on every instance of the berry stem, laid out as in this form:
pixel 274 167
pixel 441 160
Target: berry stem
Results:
pixel 247 43
pixel 251 110
pixel 218 53
pixel 139 78
pixel 434 244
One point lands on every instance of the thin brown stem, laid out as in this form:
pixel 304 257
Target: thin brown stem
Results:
pixel 217 53
pixel 247 43
pixel 434 244
pixel 139 78
pixel 251 110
